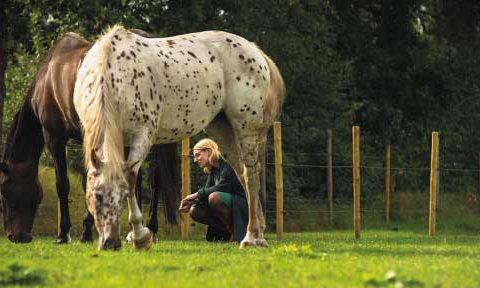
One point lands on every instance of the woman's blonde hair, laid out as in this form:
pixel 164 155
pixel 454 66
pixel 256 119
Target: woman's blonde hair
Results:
pixel 215 154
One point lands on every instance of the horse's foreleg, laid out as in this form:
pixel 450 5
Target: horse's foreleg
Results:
pixel 138 188
pixel 138 195
pixel 57 150
pixel 142 236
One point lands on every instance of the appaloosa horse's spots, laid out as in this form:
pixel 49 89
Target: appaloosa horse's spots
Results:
pixel 47 117
pixel 183 73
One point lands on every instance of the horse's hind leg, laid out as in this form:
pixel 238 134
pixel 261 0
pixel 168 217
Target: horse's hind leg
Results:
pixel 221 131
pixel 249 146
pixel 241 152
pixel 56 145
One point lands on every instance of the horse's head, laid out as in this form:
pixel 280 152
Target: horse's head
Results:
pixel 105 197
pixel 21 193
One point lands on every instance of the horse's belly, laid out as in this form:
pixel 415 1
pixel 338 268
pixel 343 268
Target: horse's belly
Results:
pixel 173 135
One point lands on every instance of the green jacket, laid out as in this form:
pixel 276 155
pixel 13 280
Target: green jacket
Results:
pixel 224 179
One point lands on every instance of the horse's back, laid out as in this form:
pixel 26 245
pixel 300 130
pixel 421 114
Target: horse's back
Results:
pixel 53 99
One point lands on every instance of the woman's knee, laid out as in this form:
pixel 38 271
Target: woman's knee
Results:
pixel 198 214
pixel 217 206
pixel 214 199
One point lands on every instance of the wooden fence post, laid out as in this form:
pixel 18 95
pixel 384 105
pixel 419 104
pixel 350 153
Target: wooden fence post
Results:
pixel 263 176
pixel 433 185
pixel 277 131
pixel 387 184
pixel 185 221
pixel 356 180
pixel 329 176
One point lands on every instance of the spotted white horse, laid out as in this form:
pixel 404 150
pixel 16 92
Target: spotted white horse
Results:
pixel 136 92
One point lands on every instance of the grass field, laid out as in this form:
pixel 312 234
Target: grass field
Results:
pixel 405 257
pixel 326 259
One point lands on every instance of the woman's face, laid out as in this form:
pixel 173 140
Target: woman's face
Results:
pixel 200 157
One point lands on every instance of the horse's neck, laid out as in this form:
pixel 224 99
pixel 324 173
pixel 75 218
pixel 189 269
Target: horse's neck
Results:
pixel 25 139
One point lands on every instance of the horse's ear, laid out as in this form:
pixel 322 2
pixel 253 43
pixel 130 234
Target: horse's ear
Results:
pixel 95 159
pixel 3 172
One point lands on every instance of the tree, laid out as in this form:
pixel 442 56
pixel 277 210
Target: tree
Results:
pixel 11 27
pixel 3 62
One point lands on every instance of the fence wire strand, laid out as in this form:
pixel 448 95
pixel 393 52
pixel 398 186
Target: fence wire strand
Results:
pixel 340 162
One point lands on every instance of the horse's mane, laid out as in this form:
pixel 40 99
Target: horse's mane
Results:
pixel 24 114
pixel 16 137
pixel 25 135
pixel 102 130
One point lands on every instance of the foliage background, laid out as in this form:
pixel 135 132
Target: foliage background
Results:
pixel 398 69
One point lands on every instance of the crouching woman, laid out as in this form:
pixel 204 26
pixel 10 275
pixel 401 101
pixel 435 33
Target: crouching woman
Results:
pixel 221 203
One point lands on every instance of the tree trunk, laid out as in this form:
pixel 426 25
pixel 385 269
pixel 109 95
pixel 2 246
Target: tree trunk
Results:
pixel 3 65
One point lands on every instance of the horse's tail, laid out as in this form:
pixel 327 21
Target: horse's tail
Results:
pixel 275 93
pixel 165 178
pixel 95 104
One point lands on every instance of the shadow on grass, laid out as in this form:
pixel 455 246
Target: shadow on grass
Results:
pixel 17 274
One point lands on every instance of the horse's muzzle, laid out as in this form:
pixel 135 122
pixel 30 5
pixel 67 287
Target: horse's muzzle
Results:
pixel 21 237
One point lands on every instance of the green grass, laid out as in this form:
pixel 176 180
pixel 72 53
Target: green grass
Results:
pixel 328 259
pixel 405 257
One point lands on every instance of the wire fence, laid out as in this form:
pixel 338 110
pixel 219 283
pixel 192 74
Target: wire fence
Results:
pixel 305 187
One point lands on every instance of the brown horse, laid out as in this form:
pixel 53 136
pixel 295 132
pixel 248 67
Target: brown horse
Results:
pixel 47 116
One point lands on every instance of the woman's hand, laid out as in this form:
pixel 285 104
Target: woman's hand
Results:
pixel 188 201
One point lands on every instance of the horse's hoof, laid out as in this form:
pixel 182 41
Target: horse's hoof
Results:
pixel 253 243
pixel 145 243
pixel 262 243
pixel 63 239
pixel 86 237
pixel 246 243
pixel 129 237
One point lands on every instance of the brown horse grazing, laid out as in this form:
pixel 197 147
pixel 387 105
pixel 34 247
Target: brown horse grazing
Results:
pixel 47 116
